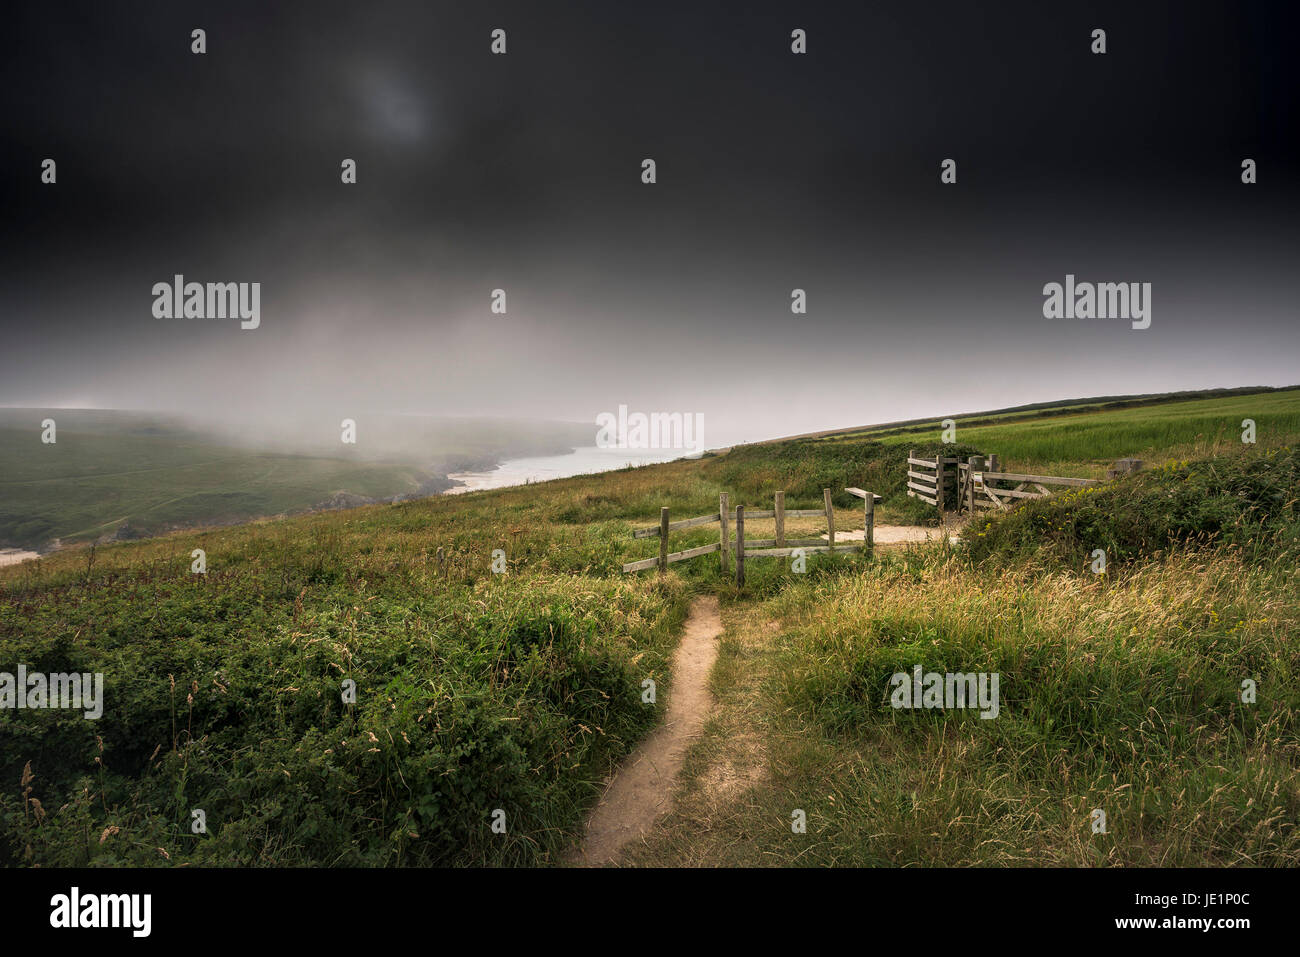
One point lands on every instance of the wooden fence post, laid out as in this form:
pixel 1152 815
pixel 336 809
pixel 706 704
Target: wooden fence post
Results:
pixel 869 525
pixel 780 519
pixel 938 484
pixel 1124 467
pixel 663 539
pixel 723 536
pixel 740 546
pixel 830 518
pixel 973 464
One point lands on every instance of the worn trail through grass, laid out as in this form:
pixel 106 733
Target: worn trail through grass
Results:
pixel 642 788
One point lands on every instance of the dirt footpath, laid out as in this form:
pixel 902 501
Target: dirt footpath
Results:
pixel 642 787
pixel 897 535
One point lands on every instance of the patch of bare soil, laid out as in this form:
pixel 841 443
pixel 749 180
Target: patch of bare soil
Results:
pixel 897 535
pixel 728 778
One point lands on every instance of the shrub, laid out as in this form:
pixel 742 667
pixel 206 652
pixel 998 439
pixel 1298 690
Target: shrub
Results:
pixel 1250 501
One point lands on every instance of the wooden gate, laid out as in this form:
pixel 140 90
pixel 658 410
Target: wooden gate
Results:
pixel 980 485
pixel 993 490
pixel 931 480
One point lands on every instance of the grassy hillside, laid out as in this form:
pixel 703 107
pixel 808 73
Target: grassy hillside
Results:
pixel 1085 442
pixel 479 691
pixel 128 474
pixel 474 691
pixel 1045 410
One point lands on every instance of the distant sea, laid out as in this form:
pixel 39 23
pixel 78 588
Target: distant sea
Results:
pixel 582 461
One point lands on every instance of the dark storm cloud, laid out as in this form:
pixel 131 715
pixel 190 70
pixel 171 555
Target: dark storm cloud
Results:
pixel 522 172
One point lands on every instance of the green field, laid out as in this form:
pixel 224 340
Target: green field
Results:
pixel 518 692
pixel 1088 441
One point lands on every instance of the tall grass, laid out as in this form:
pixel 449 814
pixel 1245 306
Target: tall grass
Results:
pixel 1124 696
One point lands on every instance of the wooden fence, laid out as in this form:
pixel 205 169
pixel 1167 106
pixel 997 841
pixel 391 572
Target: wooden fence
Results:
pixel 742 548
pixel 978 484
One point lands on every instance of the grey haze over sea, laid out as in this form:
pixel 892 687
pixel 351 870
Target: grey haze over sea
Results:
pixel 581 461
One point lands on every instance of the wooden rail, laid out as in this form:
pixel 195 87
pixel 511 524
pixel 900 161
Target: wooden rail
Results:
pixel 665 527
pixel 782 547
pixel 740 548
pixel 652 530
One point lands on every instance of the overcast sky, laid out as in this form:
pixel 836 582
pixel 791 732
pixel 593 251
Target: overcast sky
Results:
pixel 522 172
